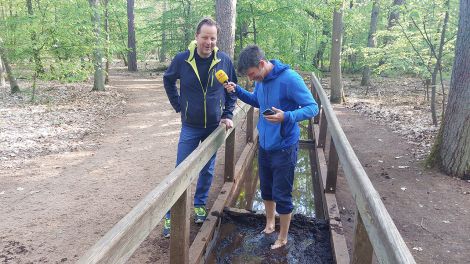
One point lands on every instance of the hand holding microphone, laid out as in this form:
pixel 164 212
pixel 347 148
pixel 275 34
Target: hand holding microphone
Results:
pixel 222 77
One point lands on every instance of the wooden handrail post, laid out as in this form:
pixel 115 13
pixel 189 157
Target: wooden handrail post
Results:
pixel 332 173
pixel 179 239
pixel 249 125
pixel 323 128
pixel 229 171
pixel 362 248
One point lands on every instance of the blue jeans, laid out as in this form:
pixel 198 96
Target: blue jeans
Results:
pixel 190 137
pixel 276 175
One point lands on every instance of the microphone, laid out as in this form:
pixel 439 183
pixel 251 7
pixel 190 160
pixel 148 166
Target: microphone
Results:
pixel 221 76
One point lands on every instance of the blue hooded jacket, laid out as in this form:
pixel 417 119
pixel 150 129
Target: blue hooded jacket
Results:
pixel 200 106
pixel 284 89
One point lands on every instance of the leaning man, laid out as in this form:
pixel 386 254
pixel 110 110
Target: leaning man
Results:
pixel 202 101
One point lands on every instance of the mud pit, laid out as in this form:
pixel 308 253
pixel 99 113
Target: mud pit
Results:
pixel 240 241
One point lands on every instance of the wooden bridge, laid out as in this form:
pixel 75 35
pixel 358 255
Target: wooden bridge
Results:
pixel 374 230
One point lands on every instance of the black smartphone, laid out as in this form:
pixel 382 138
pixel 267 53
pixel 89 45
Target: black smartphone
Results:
pixel 268 112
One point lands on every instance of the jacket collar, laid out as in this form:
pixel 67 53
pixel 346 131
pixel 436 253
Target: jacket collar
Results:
pixel 192 49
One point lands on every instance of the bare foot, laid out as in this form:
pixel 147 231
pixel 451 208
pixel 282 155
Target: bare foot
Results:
pixel 279 243
pixel 268 230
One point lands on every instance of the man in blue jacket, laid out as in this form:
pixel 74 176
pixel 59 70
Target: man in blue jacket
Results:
pixel 202 102
pixel 281 94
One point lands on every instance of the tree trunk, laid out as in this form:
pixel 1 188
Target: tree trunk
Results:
pixel 2 74
pixel 437 66
pixel 455 146
pixel 131 45
pixel 162 53
pixel 335 61
pixel 254 24
pixel 106 30
pixel 372 41
pixel 14 88
pixel 98 84
pixel 226 12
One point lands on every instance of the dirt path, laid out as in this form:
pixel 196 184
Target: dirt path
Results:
pixel 431 210
pixel 57 206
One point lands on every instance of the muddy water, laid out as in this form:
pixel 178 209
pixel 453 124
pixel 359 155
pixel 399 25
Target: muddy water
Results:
pixel 240 241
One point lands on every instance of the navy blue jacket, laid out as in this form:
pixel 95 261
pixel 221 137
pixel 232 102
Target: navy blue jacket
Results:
pixel 284 89
pixel 199 106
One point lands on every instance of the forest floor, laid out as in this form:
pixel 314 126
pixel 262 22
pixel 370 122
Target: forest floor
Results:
pixel 74 162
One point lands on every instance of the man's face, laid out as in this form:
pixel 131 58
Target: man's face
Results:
pixel 206 40
pixel 256 73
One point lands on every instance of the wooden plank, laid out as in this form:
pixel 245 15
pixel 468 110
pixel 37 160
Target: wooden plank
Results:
pixel 362 248
pixel 118 244
pixel 179 239
pixel 316 119
pixel 318 190
pixel 203 237
pixel 229 171
pixel 387 242
pixel 321 158
pixel 340 248
pixel 241 169
pixel 250 125
pixel 332 172
pixel 306 144
pixel 323 127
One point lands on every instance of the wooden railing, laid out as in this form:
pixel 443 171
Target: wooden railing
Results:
pixel 374 230
pixel 118 245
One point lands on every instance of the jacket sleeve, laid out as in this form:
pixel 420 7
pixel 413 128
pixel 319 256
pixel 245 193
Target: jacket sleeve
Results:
pixel 299 93
pixel 247 97
pixel 169 82
pixel 230 98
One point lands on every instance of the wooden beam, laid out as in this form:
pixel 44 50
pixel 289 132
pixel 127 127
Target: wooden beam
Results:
pixel 340 248
pixel 229 170
pixel 362 248
pixel 323 128
pixel 179 238
pixel 250 125
pixel 332 173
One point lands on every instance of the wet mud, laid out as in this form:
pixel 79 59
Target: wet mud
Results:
pixel 240 240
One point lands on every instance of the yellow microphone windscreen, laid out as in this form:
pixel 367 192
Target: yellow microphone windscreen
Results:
pixel 221 76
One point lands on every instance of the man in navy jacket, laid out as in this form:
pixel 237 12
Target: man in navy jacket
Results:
pixel 282 92
pixel 202 102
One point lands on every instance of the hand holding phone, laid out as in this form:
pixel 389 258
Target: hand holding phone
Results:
pixel 268 112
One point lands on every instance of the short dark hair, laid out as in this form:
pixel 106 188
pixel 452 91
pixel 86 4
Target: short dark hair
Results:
pixel 249 57
pixel 207 21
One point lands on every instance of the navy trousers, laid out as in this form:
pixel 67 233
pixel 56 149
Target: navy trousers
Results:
pixel 276 174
